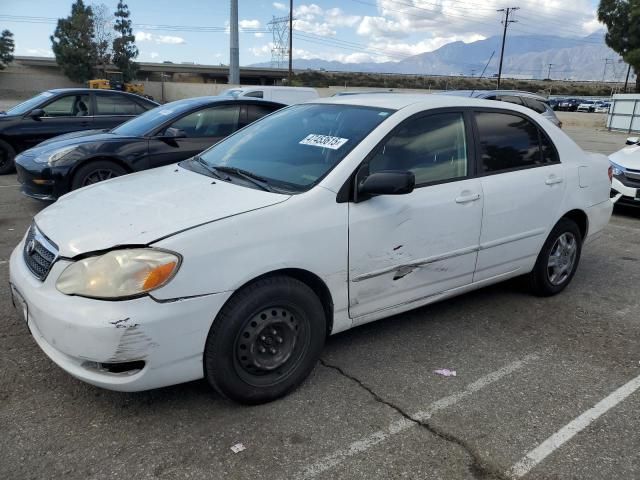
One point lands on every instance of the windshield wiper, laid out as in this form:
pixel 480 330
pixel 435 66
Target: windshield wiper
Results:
pixel 212 170
pixel 249 176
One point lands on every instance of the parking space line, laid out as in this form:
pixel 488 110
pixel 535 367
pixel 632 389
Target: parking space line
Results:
pixel 336 458
pixel 10 186
pixel 2 262
pixel 566 433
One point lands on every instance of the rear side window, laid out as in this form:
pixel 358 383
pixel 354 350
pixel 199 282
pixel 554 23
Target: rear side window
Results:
pixel 535 105
pixel 117 105
pixel 254 112
pixel 256 94
pixel 510 99
pixel 511 142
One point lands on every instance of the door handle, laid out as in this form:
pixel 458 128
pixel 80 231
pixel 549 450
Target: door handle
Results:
pixel 552 180
pixel 468 198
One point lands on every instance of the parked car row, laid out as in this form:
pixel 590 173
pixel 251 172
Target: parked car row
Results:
pixel 236 263
pixel 580 105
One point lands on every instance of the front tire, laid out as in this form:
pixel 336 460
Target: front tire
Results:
pixel 95 172
pixel 558 260
pixel 265 341
pixel 7 156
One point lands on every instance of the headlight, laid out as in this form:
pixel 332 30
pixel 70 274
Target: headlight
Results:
pixel 119 273
pixel 617 169
pixel 55 156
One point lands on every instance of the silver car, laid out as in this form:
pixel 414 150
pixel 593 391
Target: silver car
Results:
pixel 527 99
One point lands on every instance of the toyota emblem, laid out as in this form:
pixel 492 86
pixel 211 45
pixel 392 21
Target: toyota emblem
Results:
pixel 31 247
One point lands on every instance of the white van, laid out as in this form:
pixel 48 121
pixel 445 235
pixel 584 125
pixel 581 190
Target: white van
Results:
pixel 287 95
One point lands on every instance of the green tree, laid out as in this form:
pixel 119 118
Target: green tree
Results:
pixel 622 18
pixel 6 48
pixel 73 45
pixel 124 47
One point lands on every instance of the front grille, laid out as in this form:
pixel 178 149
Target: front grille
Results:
pixel 39 253
pixel 627 181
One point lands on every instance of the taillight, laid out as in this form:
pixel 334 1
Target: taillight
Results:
pixel 610 173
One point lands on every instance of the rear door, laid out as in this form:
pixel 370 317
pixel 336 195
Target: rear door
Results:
pixel 112 109
pixel 63 114
pixel 409 247
pixel 523 183
pixel 202 128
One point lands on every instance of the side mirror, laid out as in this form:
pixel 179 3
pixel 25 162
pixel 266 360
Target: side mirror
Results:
pixel 172 133
pixel 633 141
pixel 387 183
pixel 37 113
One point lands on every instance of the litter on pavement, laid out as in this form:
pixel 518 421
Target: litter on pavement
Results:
pixel 445 372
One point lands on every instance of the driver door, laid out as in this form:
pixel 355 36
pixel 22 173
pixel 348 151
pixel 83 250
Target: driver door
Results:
pixel 202 128
pixel 405 248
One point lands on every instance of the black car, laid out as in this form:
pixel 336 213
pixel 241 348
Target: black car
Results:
pixel 569 104
pixel 164 135
pixel 56 112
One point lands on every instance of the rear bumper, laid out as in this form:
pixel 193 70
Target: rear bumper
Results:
pixel 599 216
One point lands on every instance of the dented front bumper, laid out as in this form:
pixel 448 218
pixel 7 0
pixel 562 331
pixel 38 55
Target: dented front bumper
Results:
pixel 163 342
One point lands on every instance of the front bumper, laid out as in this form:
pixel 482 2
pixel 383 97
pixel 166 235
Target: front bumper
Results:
pixel 81 335
pixel 624 194
pixel 40 181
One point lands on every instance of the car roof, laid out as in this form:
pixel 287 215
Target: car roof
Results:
pixel 197 101
pixel 486 93
pixel 395 101
pixel 97 90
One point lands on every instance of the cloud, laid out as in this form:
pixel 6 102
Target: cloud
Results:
pixel 249 23
pixel 381 27
pixel 258 34
pixel 154 54
pixel 338 18
pixel 164 39
pixel 39 52
pixel 321 29
pixel 279 6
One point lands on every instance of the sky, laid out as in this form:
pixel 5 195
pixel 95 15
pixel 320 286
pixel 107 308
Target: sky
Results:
pixel 346 31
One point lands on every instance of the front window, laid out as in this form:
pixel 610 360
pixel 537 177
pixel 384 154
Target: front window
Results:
pixel 297 146
pixel 68 106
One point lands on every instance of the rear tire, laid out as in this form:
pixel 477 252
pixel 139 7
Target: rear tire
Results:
pixel 265 341
pixel 7 156
pixel 95 172
pixel 558 260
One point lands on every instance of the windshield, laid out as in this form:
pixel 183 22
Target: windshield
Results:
pixel 149 121
pixel 30 104
pixel 295 147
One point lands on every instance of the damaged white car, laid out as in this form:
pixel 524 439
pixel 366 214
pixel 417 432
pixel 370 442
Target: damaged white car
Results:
pixel 625 164
pixel 236 265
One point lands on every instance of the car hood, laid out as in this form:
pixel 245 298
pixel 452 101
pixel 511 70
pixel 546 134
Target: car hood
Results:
pixel 628 157
pixel 72 135
pixel 140 208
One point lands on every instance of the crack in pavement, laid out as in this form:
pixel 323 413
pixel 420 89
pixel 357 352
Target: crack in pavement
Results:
pixel 479 468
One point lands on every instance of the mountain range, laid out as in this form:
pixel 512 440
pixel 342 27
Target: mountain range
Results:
pixel 526 56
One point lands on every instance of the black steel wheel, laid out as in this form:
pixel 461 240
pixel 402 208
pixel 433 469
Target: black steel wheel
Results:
pixel 558 260
pixel 7 155
pixel 265 341
pixel 95 172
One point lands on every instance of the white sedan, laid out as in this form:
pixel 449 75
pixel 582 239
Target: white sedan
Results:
pixel 625 163
pixel 236 265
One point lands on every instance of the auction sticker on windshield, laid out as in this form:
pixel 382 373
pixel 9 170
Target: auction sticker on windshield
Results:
pixel 325 141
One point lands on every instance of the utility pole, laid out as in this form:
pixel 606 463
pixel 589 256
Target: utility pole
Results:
pixel 606 64
pixel 290 41
pixel 549 72
pixel 506 22
pixel 234 44
pixel 626 82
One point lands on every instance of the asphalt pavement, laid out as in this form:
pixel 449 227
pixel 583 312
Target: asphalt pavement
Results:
pixel 543 390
